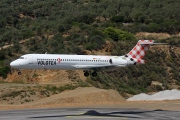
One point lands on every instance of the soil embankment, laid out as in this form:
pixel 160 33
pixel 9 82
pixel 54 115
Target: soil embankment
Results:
pixel 78 97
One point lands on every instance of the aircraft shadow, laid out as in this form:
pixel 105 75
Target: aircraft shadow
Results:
pixel 98 114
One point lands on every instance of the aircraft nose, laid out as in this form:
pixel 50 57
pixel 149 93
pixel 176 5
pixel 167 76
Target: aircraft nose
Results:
pixel 14 64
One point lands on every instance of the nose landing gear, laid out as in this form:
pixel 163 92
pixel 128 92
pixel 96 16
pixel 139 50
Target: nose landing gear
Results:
pixel 19 72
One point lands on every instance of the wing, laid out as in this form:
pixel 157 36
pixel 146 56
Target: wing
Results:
pixel 97 67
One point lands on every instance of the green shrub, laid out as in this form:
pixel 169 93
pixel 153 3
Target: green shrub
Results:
pixel 158 88
pixel 11 94
pixel 117 34
pixel 4 70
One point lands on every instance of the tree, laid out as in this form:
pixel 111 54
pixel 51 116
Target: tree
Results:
pixel 61 28
pixel 39 31
pixel 86 18
pixel 2 55
pixel 97 32
pixel 118 18
pixel 96 42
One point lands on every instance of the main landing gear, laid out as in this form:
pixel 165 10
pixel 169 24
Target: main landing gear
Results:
pixel 86 73
pixel 94 74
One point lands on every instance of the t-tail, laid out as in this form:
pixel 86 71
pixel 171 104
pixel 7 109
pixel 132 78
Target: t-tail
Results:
pixel 137 54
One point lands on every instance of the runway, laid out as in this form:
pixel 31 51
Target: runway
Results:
pixel 89 114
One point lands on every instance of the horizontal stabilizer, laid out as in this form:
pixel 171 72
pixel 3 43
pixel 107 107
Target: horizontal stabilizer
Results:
pixel 140 49
pixel 153 43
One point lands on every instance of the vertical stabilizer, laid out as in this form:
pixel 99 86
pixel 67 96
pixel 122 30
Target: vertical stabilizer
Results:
pixel 139 51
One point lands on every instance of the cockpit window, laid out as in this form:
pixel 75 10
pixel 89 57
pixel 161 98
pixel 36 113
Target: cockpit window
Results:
pixel 21 58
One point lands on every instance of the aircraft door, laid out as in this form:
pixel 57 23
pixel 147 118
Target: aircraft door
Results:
pixel 110 61
pixel 30 60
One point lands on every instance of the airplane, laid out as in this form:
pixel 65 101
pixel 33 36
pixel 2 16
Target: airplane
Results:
pixel 90 64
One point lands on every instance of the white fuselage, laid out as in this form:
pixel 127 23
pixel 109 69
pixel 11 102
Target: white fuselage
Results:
pixel 68 62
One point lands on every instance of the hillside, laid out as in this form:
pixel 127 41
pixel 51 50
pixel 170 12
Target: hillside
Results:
pixel 93 27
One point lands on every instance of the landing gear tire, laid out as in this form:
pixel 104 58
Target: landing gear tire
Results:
pixel 86 73
pixel 19 72
pixel 94 74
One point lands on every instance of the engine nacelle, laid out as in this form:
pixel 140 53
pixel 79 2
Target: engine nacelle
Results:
pixel 131 61
pixel 118 61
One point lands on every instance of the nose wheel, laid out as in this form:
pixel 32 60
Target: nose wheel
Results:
pixel 19 72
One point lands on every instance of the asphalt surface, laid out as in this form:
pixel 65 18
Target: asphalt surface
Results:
pixel 89 114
